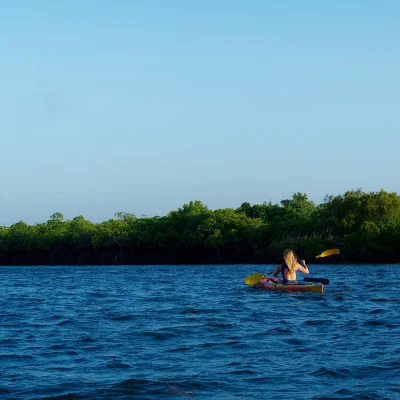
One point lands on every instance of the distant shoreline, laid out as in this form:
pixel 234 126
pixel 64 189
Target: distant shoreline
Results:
pixel 106 256
pixel 188 264
pixel 365 227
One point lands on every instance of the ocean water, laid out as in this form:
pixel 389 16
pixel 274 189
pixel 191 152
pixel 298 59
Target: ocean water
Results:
pixel 180 332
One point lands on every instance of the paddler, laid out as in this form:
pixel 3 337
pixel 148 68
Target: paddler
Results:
pixel 289 267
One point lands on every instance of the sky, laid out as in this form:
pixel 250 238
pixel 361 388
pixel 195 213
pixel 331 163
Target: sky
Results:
pixel 143 105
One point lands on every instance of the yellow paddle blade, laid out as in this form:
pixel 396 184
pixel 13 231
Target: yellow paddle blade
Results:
pixel 253 279
pixel 327 253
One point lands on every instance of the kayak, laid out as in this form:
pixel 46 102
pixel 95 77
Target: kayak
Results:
pixel 276 284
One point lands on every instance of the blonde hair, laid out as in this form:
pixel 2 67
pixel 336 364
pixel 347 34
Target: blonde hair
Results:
pixel 290 259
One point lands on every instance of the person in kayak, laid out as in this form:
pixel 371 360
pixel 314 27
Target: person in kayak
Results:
pixel 289 267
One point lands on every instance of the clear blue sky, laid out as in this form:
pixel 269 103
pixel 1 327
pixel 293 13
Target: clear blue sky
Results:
pixel 141 106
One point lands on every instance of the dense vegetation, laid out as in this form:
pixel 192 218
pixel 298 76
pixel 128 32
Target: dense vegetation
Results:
pixel 365 226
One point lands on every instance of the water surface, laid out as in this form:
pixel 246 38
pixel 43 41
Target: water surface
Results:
pixel 174 332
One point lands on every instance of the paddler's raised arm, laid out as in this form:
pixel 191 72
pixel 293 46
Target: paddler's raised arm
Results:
pixel 302 267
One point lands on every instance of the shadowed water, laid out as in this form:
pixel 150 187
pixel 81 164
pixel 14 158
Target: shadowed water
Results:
pixel 174 332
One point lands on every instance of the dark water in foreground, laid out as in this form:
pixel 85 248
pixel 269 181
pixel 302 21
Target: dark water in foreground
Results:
pixel 176 332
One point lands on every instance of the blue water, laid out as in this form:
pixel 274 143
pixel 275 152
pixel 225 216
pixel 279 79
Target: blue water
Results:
pixel 176 332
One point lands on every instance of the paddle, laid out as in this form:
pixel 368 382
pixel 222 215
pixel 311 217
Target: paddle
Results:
pixel 327 253
pixel 324 281
pixel 253 279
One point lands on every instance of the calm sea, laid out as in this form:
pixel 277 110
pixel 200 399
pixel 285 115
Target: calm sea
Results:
pixel 176 332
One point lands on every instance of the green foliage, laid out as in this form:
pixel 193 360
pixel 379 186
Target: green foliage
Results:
pixel 362 225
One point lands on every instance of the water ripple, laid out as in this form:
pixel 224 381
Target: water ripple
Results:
pixel 165 332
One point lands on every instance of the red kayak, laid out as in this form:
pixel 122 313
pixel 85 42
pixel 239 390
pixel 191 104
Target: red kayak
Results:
pixel 276 284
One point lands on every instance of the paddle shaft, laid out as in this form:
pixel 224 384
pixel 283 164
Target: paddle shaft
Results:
pixel 324 281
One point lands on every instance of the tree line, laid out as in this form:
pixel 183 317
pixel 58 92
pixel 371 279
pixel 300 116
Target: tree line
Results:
pixel 364 226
